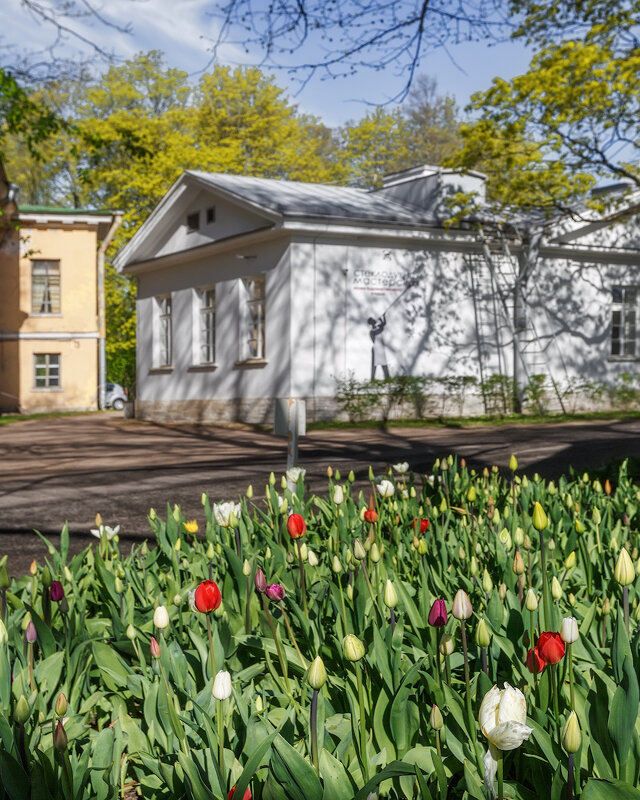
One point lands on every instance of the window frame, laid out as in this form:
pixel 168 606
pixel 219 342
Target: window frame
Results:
pixel 49 285
pixel 193 216
pixel 624 323
pixel 163 346
pixel 253 314
pixel 205 326
pixel 52 372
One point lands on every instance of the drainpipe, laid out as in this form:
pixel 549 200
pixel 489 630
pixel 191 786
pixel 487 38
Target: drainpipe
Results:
pixel 102 351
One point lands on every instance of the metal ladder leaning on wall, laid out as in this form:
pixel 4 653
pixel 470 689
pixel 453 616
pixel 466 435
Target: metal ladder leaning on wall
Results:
pixel 532 353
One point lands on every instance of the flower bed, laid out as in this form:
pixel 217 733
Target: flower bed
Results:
pixel 459 635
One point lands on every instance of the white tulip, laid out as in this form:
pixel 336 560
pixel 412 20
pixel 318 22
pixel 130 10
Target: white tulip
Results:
pixel 312 558
pixel 191 594
pixel 401 467
pixel 502 718
pixel 569 630
pixel 108 531
pixel 295 473
pixel 338 494
pixel 222 685
pixel 161 617
pixel 222 513
pixel 385 488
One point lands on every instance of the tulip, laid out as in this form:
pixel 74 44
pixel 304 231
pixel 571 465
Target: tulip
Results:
pixel 207 597
pixel 569 630
pixel 161 618
pixel 296 526
pixel 438 614
pixel 317 675
pixel 483 634
pixel 518 563
pixel 550 646
pixel 446 644
pixel 60 737
pixel 435 718
pixel 531 601
pixel 56 591
pixel 275 592
pixel 338 494
pixel 535 664
pixel 502 718
pixel 312 559
pixel 487 583
pixel 358 550
pixel 154 647
pixel 471 494
pixel 222 685
pixel 423 523
pixel 401 468
pixel 385 488
pixel 260 581
pixel 624 572
pixel 556 588
pixel 461 608
pixel 352 648
pixel 571 735
pixel 246 796
pixel 513 463
pixel 539 518
pixel 370 515
pixel 390 595
pixel 31 634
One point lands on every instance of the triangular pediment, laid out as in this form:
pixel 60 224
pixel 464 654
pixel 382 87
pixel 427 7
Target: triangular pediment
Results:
pixel 193 214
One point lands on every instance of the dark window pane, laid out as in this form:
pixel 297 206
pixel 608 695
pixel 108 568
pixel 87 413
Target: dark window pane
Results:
pixel 616 294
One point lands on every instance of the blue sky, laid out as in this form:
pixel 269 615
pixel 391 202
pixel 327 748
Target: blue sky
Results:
pixel 185 40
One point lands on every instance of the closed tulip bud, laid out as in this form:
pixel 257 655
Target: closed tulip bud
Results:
pixel 210 553
pixel 571 598
pixel 596 516
pixel 624 573
pixel 518 563
pixel 317 675
pixel 272 479
pixel 597 486
pixel 539 518
pixel 471 494
pixel 585 477
pixel 350 591
pixel 177 545
pixel 571 735
pixel 338 494
pixel 570 560
pixel 283 482
pixel 513 463
pixel 569 630
pixel 390 595
pixel 446 644
pixel 487 583
pixel 312 558
pixel 613 545
pixel 246 568
pixel 504 538
pixel 21 712
pixel 337 474
pixel 551 488
pixel 607 486
pixel 131 632
pixel 422 547
pixel 435 718
pixel 443 506
pixel 31 634
pixel 176 513
pixel 526 542
pixel 556 588
pixel 496 517
pixel 473 565
pixel 60 737
pixel 461 608
pixel 518 537
pixel 259 704
pixel 61 705
pixel 260 580
pixel 303 551
pixel 154 647
pixel 161 618
pixel 46 577
pixel 249 492
pixel 483 634
pixel 351 476
pixel 551 544
pixel 578 526
pixel 531 601
pixel 375 553
pixel 222 685
pixel 118 585
pixel 606 606
pixel 358 550
pixel 336 566
pixel 352 648
pixel 462 554
pixel 502 591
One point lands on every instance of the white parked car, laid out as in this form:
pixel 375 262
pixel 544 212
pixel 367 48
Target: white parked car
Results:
pixel 115 396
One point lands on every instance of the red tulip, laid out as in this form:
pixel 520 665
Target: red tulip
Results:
pixel 56 591
pixel 550 647
pixel 424 525
pixel 275 592
pixel 438 614
pixel 296 526
pixel 154 647
pixel 260 581
pixel 371 515
pixel 207 597
pixel 246 796
pixel 534 663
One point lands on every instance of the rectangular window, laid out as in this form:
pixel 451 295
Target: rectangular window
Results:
pixel 193 221
pixel 46 370
pixel 211 215
pixel 207 325
pixel 164 331
pixel 253 315
pixel 45 287
pixel 623 321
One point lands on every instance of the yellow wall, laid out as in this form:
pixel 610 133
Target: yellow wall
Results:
pixel 75 246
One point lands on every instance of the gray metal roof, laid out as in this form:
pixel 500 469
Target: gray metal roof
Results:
pixel 297 199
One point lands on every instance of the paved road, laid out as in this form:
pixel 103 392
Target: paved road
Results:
pixel 70 468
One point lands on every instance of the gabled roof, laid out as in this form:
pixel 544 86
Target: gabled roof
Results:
pixel 297 199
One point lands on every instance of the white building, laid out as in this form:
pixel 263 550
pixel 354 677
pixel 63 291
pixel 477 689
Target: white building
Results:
pixel 252 289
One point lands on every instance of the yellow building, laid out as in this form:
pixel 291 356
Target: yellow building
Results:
pixel 52 307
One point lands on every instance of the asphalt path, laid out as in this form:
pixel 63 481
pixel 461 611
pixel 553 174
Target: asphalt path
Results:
pixel 70 468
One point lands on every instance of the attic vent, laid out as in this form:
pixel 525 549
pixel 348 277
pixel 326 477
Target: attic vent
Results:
pixel 211 214
pixel 193 221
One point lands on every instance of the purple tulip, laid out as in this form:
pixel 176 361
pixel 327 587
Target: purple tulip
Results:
pixel 275 592
pixel 438 614
pixel 260 581
pixel 57 592
pixel 31 634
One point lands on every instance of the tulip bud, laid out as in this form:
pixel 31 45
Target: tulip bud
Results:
pixel 518 563
pixel 21 712
pixel 61 705
pixel 131 632
pixel 422 547
pixel 336 474
pixel 473 565
pixel 260 581
pixel 504 538
pixel 317 675
pixel 487 583
pixel 539 518
pixel 283 482
pixel 154 647
pixel 531 601
pixel 31 634
pixel 435 718
pixel 118 585
pixel 60 737
pixel 518 537
pixel 556 588
pixel 483 634
pixel 338 494
pixel 471 494
pixel 595 515
pixel 597 486
pixel 606 606
pixel 571 735
pixel 246 568
pixel 352 648
pixel 513 463
pixel 222 685
pixel 336 566
pixel 350 591
pixel 461 608
pixel 259 704
pixel 502 591
pixel 624 573
pixel 272 479
pixel 607 486
pixel 570 560
pixel 303 551
pixel 443 506
pixel 390 595
pixel 526 542
pixel 46 577
pixel 358 550
pixel 446 644
pixel 161 618
pixel 312 558
pixel 569 630
pixel 351 476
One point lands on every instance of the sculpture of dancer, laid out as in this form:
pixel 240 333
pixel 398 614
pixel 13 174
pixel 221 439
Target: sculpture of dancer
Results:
pixel 378 351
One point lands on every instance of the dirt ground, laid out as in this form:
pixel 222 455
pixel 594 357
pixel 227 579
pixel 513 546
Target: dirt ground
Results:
pixel 72 467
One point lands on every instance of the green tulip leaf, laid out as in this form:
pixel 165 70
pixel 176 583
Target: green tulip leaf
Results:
pixel 609 789
pixel 293 772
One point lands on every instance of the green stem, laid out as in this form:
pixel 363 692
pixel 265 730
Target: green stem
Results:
pixel 363 729
pixel 274 633
pixel 470 717
pixel 438 666
pixel 531 646
pixel 500 778
pixel 554 688
pixel 373 599
pixel 438 746
pixel 314 731
pixel 545 586
pixel 292 637
pixel 247 613
pixel 220 736
pixel 571 689
pixel 625 605
pixel 213 658
pixel 344 610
